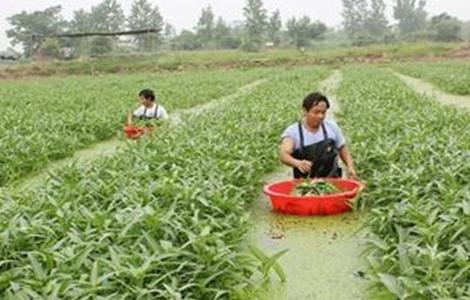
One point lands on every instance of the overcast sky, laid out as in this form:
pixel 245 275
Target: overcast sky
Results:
pixel 184 13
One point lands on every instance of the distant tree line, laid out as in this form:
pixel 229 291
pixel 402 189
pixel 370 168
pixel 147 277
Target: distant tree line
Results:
pixel 35 31
pixel 364 22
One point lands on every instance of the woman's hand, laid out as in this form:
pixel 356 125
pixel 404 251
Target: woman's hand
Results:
pixel 304 166
pixel 129 118
pixel 352 174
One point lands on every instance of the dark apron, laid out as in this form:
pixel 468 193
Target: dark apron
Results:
pixel 145 117
pixel 323 156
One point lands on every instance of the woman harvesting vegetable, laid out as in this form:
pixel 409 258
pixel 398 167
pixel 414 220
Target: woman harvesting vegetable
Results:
pixel 311 146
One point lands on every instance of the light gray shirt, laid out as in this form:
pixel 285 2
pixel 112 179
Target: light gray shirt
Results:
pixel 150 112
pixel 332 129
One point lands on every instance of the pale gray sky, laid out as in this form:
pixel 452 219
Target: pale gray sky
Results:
pixel 184 13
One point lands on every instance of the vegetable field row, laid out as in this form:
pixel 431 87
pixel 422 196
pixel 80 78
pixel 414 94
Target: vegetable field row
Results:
pixel 164 219
pixel 450 76
pixel 414 154
pixel 46 120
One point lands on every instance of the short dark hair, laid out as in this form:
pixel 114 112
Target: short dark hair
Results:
pixel 313 99
pixel 147 94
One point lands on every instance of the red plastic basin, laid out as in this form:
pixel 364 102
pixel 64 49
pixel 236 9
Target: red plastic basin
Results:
pixel 133 132
pixel 337 203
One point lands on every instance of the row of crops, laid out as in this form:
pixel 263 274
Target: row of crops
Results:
pixel 162 219
pixel 450 76
pixel 414 154
pixel 45 120
pixel 166 218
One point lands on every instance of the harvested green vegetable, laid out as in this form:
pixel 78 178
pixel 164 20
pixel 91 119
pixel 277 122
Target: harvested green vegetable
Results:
pixel 317 187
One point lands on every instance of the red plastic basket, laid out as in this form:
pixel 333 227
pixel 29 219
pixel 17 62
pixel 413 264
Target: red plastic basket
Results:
pixel 282 201
pixel 133 132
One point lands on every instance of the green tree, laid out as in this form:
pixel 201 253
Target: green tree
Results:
pixel 411 17
pixel 355 14
pixel 169 33
pixel 187 40
pixel 50 48
pixel 29 29
pixel 302 31
pixel 445 28
pixel 107 16
pixel 275 28
pixel 80 23
pixel 376 23
pixel 225 36
pixel 205 27
pixel 100 46
pixel 221 31
pixel 465 32
pixel 143 16
pixel 317 30
pixel 255 25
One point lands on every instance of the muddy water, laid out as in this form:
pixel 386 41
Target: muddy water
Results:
pixel 323 261
pixel 324 257
pixel 428 89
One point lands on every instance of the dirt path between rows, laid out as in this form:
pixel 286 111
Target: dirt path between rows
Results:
pixel 178 116
pixel 323 261
pixel 110 147
pixel 430 90
pixel 83 156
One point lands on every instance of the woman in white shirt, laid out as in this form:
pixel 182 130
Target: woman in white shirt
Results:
pixel 312 145
pixel 149 108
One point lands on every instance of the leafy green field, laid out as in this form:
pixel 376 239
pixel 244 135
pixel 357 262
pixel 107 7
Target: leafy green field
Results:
pixel 414 155
pixel 167 217
pixel 48 119
pixel 450 76
pixel 164 219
